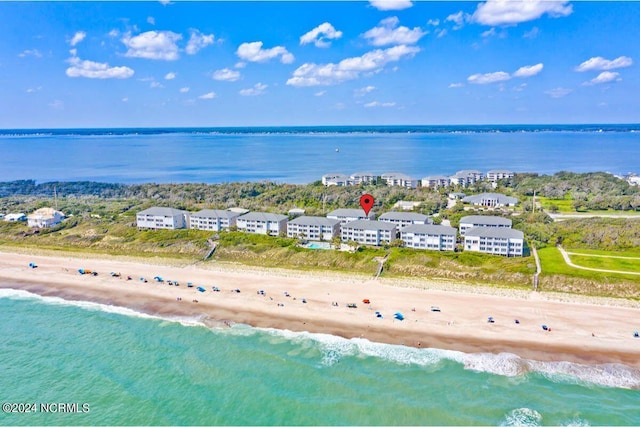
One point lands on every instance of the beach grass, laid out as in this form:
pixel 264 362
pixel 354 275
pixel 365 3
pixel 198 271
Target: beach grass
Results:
pixel 605 263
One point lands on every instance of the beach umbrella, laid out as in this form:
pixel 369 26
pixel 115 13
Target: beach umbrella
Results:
pixel 399 316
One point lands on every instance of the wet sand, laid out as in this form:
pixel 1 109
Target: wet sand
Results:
pixel 582 332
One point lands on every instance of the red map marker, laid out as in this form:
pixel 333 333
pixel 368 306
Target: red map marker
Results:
pixel 366 201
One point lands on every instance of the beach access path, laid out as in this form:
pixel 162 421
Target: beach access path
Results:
pixel 567 259
pixel 583 330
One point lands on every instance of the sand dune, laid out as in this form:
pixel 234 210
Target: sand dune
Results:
pixel 584 332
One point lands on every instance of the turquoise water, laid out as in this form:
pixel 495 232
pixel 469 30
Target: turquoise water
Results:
pixel 318 246
pixel 137 369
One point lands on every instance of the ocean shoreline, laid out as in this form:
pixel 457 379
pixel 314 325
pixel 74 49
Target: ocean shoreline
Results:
pixel 581 332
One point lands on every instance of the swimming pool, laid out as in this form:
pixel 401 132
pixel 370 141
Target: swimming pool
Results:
pixel 319 245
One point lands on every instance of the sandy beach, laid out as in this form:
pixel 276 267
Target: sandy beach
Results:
pixel 581 331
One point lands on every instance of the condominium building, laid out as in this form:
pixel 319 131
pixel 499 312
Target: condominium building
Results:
pixel 361 178
pixel 498 174
pixel 404 219
pixel 262 223
pixel 490 200
pixel 213 219
pixel 337 179
pixel 396 179
pixel 313 228
pixel 436 181
pixel 162 218
pixel 465 178
pixel 374 233
pixel 348 215
pixel 473 221
pixel 497 241
pixel 433 237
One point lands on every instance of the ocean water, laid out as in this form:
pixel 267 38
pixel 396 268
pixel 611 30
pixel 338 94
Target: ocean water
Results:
pixel 130 368
pixel 303 155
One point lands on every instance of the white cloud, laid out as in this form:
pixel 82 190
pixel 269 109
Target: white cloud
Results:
pixel 184 89
pixel 95 70
pixel 501 76
pixel 34 89
pixel 253 52
pixel 151 20
pixel 57 104
pixel 209 95
pixel 226 75
pixel 320 93
pixel 379 104
pixel 558 92
pixel 457 19
pixel 170 76
pixel 441 33
pixel 30 52
pixel 364 90
pixel 481 79
pixel 604 77
pixel 456 85
pixel 488 33
pixel 155 85
pixel 434 22
pixel 152 45
pixel 510 12
pixel 165 2
pixel 599 63
pixel 240 64
pixel 77 38
pixel 125 99
pixel 531 34
pixel 528 70
pixel 114 33
pixel 198 41
pixel 310 74
pixel 391 4
pixel 319 35
pixel 386 33
pixel 257 89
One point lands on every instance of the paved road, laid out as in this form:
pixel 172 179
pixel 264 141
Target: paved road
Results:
pixel 603 256
pixel 565 255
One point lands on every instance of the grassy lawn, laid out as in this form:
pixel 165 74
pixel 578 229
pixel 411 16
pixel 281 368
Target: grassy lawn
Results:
pixel 618 264
pixel 564 205
pixel 635 253
pixel 553 263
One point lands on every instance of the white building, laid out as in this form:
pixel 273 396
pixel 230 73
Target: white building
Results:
pixel 338 179
pixel 406 205
pixel 481 221
pixel 498 174
pixel 433 237
pixel 361 178
pixel 404 219
pixel 348 215
pixel 213 220
pixel 497 241
pixel 262 223
pixel 490 200
pixel 436 181
pixel 313 228
pixel 373 233
pixel 396 179
pixel 162 218
pixel 467 177
pixel 15 217
pixel 45 217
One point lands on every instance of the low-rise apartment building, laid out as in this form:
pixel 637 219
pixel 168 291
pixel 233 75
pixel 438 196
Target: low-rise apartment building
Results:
pixel 262 223
pixel 313 228
pixel 490 200
pixel 338 179
pixel 404 219
pixel 473 221
pixel 361 178
pixel 396 179
pixel 374 233
pixel 465 178
pixel 433 237
pixel 436 181
pixel 159 218
pixel 497 241
pixel 498 174
pixel 213 219
pixel 347 215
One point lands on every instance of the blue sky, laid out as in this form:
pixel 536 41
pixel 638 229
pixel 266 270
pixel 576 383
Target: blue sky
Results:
pixel 145 64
